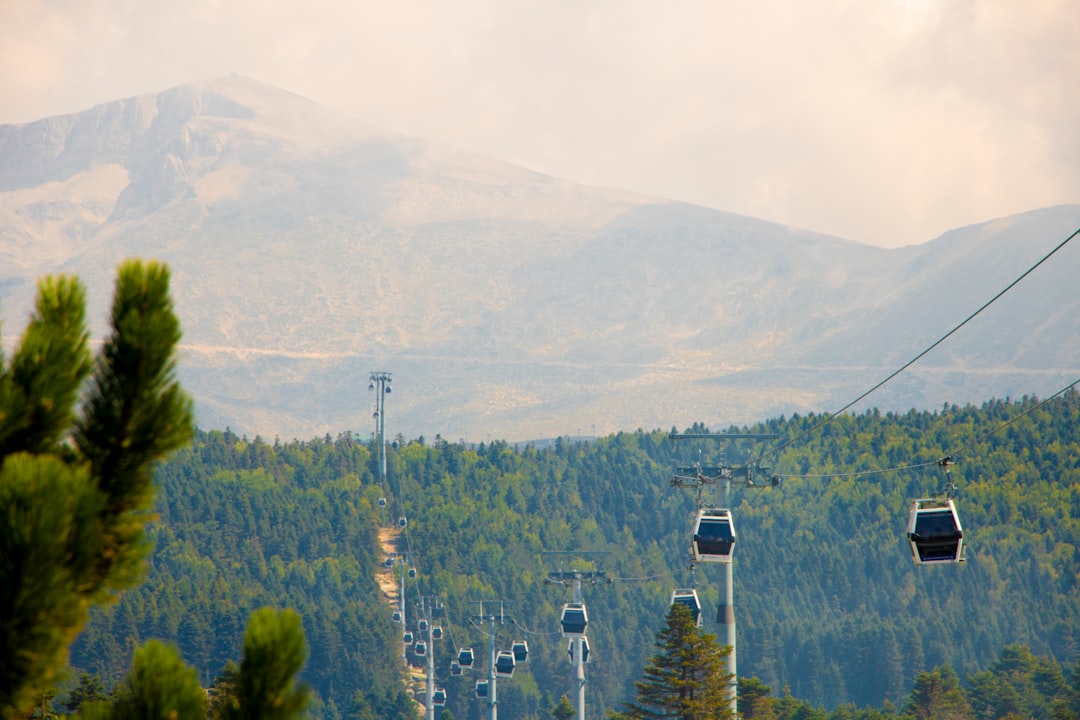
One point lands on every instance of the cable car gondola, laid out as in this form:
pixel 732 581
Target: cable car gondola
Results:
pixel 402 522
pixel 382 502
pixel 422 625
pixel 412 572
pixel 438 698
pixel 575 620
pixel 689 598
pixel 504 663
pixel 420 648
pixel 436 632
pixel 934 531
pixel 407 638
pixel 465 657
pixel 714 535
pixel 396 617
pixel 584 650
pixel 520 650
pixel 455 668
pixel 481 688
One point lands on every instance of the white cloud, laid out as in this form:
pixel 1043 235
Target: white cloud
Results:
pixel 884 121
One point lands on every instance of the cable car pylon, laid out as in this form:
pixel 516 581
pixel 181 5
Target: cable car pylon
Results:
pixel 575 618
pixel 500 664
pixel 714 529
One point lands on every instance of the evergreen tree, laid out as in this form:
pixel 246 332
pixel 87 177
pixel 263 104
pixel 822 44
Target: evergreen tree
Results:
pixel 160 686
pixel 563 710
pixel 75 484
pixel 266 687
pixel 754 700
pixel 90 689
pixel 686 679
pixel 937 696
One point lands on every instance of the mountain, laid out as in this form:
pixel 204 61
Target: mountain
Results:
pixel 309 249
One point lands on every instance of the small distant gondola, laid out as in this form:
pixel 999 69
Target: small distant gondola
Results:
pixel 520 650
pixel 714 535
pixel 481 688
pixel 436 632
pixel 396 617
pixel 407 638
pixel 412 572
pixel 382 502
pixel 584 650
pixel 402 521
pixel 934 531
pixel 575 620
pixel 420 648
pixel 422 625
pixel 388 563
pixel 504 664
pixel 455 668
pixel 438 698
pixel 689 598
pixel 465 657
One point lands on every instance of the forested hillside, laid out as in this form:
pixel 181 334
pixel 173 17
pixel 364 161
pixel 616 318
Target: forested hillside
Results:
pixel 827 599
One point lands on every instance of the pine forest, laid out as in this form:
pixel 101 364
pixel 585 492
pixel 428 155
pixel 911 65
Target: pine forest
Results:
pixel 834 617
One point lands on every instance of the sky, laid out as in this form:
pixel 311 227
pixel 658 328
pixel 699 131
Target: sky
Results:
pixel 886 122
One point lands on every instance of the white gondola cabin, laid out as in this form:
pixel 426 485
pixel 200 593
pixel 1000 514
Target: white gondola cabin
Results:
pixel 402 521
pixel 465 657
pixel 689 598
pixel 575 620
pixel 382 502
pixel 420 648
pixel 396 617
pixel 481 688
pixel 436 632
pixel 714 535
pixel 422 625
pixel 438 698
pixel 520 650
pixel 584 650
pixel 455 668
pixel 504 664
pixel 407 638
pixel 934 531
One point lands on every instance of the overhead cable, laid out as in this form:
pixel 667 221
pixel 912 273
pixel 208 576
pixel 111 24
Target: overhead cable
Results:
pixel 830 417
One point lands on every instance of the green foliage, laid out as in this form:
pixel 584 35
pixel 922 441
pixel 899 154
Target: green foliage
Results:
pixel 687 677
pixel 265 687
pixel 937 696
pixel 90 688
pixel 75 483
pixel 828 602
pixel 160 686
pixel 563 710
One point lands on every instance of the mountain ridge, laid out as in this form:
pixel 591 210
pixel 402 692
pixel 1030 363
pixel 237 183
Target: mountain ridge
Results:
pixel 308 249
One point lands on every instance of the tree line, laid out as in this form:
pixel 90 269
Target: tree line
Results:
pixel 830 608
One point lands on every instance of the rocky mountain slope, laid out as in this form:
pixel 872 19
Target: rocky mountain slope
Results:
pixel 309 249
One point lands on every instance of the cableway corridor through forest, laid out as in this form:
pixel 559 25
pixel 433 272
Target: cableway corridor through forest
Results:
pixel 245 523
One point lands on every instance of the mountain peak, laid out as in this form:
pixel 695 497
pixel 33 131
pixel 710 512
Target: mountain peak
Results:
pixel 307 247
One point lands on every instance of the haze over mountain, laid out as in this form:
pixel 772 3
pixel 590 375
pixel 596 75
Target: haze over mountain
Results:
pixel 309 249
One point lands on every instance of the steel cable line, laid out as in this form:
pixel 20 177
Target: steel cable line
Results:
pixel 952 452
pixel 830 417
pixel 1010 421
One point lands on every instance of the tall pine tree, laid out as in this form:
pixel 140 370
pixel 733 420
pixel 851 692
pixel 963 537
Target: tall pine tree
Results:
pixel 687 677
pixel 75 483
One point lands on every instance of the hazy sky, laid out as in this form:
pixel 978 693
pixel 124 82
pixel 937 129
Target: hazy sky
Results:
pixel 883 121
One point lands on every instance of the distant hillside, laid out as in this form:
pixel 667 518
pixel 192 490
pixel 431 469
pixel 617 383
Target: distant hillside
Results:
pixel 309 249
pixel 828 601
